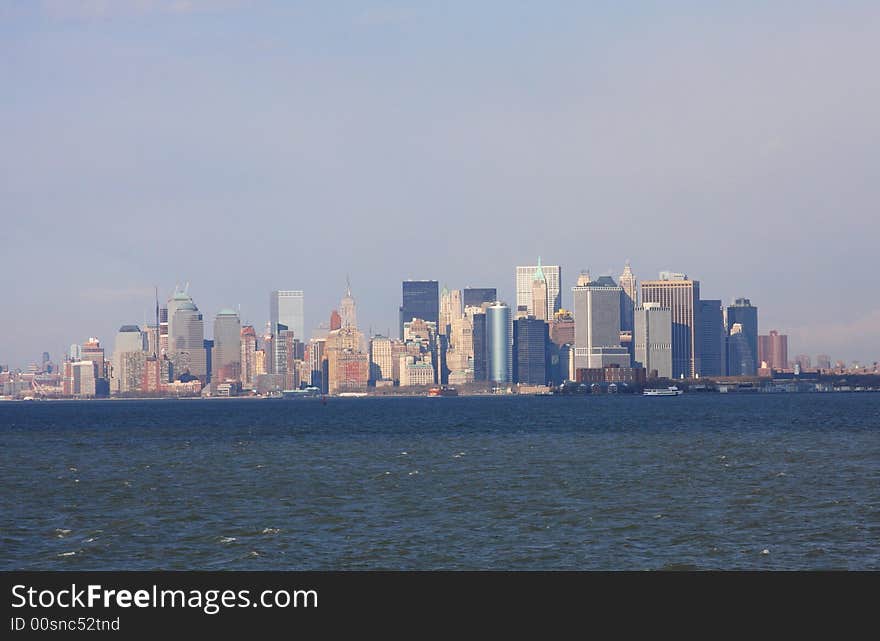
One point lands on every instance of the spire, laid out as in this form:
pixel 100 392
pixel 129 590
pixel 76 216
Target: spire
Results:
pixel 539 273
pixel 347 285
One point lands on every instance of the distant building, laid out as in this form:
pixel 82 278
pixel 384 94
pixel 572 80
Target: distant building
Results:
pixel 823 362
pixel 186 348
pixel 499 343
pixel 481 346
pixel 804 362
pixel 773 350
pixel 681 295
pixel 713 339
pixel 629 298
pixel 742 358
pixel 652 339
pixel 287 307
pixel 597 324
pixel 226 364
pixel 531 352
pixel 562 328
pixel 128 360
pixel 476 296
pixel 248 357
pixel 420 299
pixel 92 351
pixel 525 276
pixel 381 360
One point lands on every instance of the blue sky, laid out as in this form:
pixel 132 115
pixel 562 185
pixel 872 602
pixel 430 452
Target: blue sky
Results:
pixel 249 146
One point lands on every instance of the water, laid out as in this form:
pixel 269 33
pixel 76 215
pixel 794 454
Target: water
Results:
pixel 699 481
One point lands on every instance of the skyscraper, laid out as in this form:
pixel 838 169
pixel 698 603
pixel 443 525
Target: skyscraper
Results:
pixel 127 360
pixel 773 350
pixel 226 356
pixel 740 360
pixel 531 354
pixel 743 313
pixel 381 363
pixel 681 295
pixel 499 343
pixel 597 324
pixel 248 357
pixel 629 298
pixel 481 346
pixel 348 307
pixel 421 299
pixel 92 351
pixel 187 341
pixel 713 339
pixel 652 335
pixel 524 278
pixel 287 308
pixel 476 296
pixel 539 294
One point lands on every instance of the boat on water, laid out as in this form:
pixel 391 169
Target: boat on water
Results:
pixel 443 390
pixel 669 391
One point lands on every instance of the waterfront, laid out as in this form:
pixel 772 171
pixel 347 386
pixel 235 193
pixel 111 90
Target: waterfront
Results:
pixel 606 482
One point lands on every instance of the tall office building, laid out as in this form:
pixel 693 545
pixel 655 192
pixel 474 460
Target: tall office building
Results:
pixel 531 351
pixel 681 295
pixel 92 351
pixel 481 345
pixel 629 298
pixel 773 350
pixel 421 299
pixel 348 308
pixel 381 363
pixel 178 298
pixel 476 296
pixel 524 278
pixel 652 336
pixel 226 355
pixel 287 307
pixel 248 357
pixel 713 339
pixel 597 324
pixel 450 309
pixel 539 294
pixel 744 361
pixel 128 360
pixel 499 343
pixel 740 359
pixel 186 342
pixel 562 328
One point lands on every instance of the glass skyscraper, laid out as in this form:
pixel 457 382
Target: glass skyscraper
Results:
pixel 743 359
pixel 499 343
pixel 421 299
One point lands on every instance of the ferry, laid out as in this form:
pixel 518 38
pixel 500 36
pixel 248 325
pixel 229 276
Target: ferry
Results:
pixel 669 391
pixel 443 390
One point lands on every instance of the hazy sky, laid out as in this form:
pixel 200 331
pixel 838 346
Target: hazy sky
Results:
pixel 250 146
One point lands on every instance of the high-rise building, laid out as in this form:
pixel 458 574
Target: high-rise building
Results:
pixel 476 296
pixel 562 328
pixel 178 298
pixel 681 295
pixel 335 320
pixel 823 362
pixel 531 351
pixel 804 362
pixel 597 324
pixel 629 298
pixel 287 307
pixel 742 360
pixel 652 338
pixel 525 276
pixel 187 342
pixel 539 294
pixel 348 308
pixel 421 299
pixel 348 369
pixel 92 351
pixel 128 360
pixel 713 339
pixel 499 343
pixel 481 344
pixel 416 371
pixel 318 363
pixel 248 357
pixel 226 355
pixel 773 350
pixel 381 363
pixel 450 309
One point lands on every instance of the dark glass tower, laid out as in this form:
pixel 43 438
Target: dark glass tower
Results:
pixel 421 299
pixel 476 296
pixel 743 362
pixel 713 346
pixel 480 371
pixel 531 357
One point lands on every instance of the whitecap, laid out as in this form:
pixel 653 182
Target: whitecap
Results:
pixel 414 472
pixel 271 530
pixel 765 551
pixel 61 532
pixel 227 539
pixel 66 553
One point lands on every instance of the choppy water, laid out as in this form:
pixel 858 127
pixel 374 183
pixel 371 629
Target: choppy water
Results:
pixel 701 481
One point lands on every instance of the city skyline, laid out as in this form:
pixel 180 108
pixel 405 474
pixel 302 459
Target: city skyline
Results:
pixel 247 147
pixel 318 327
